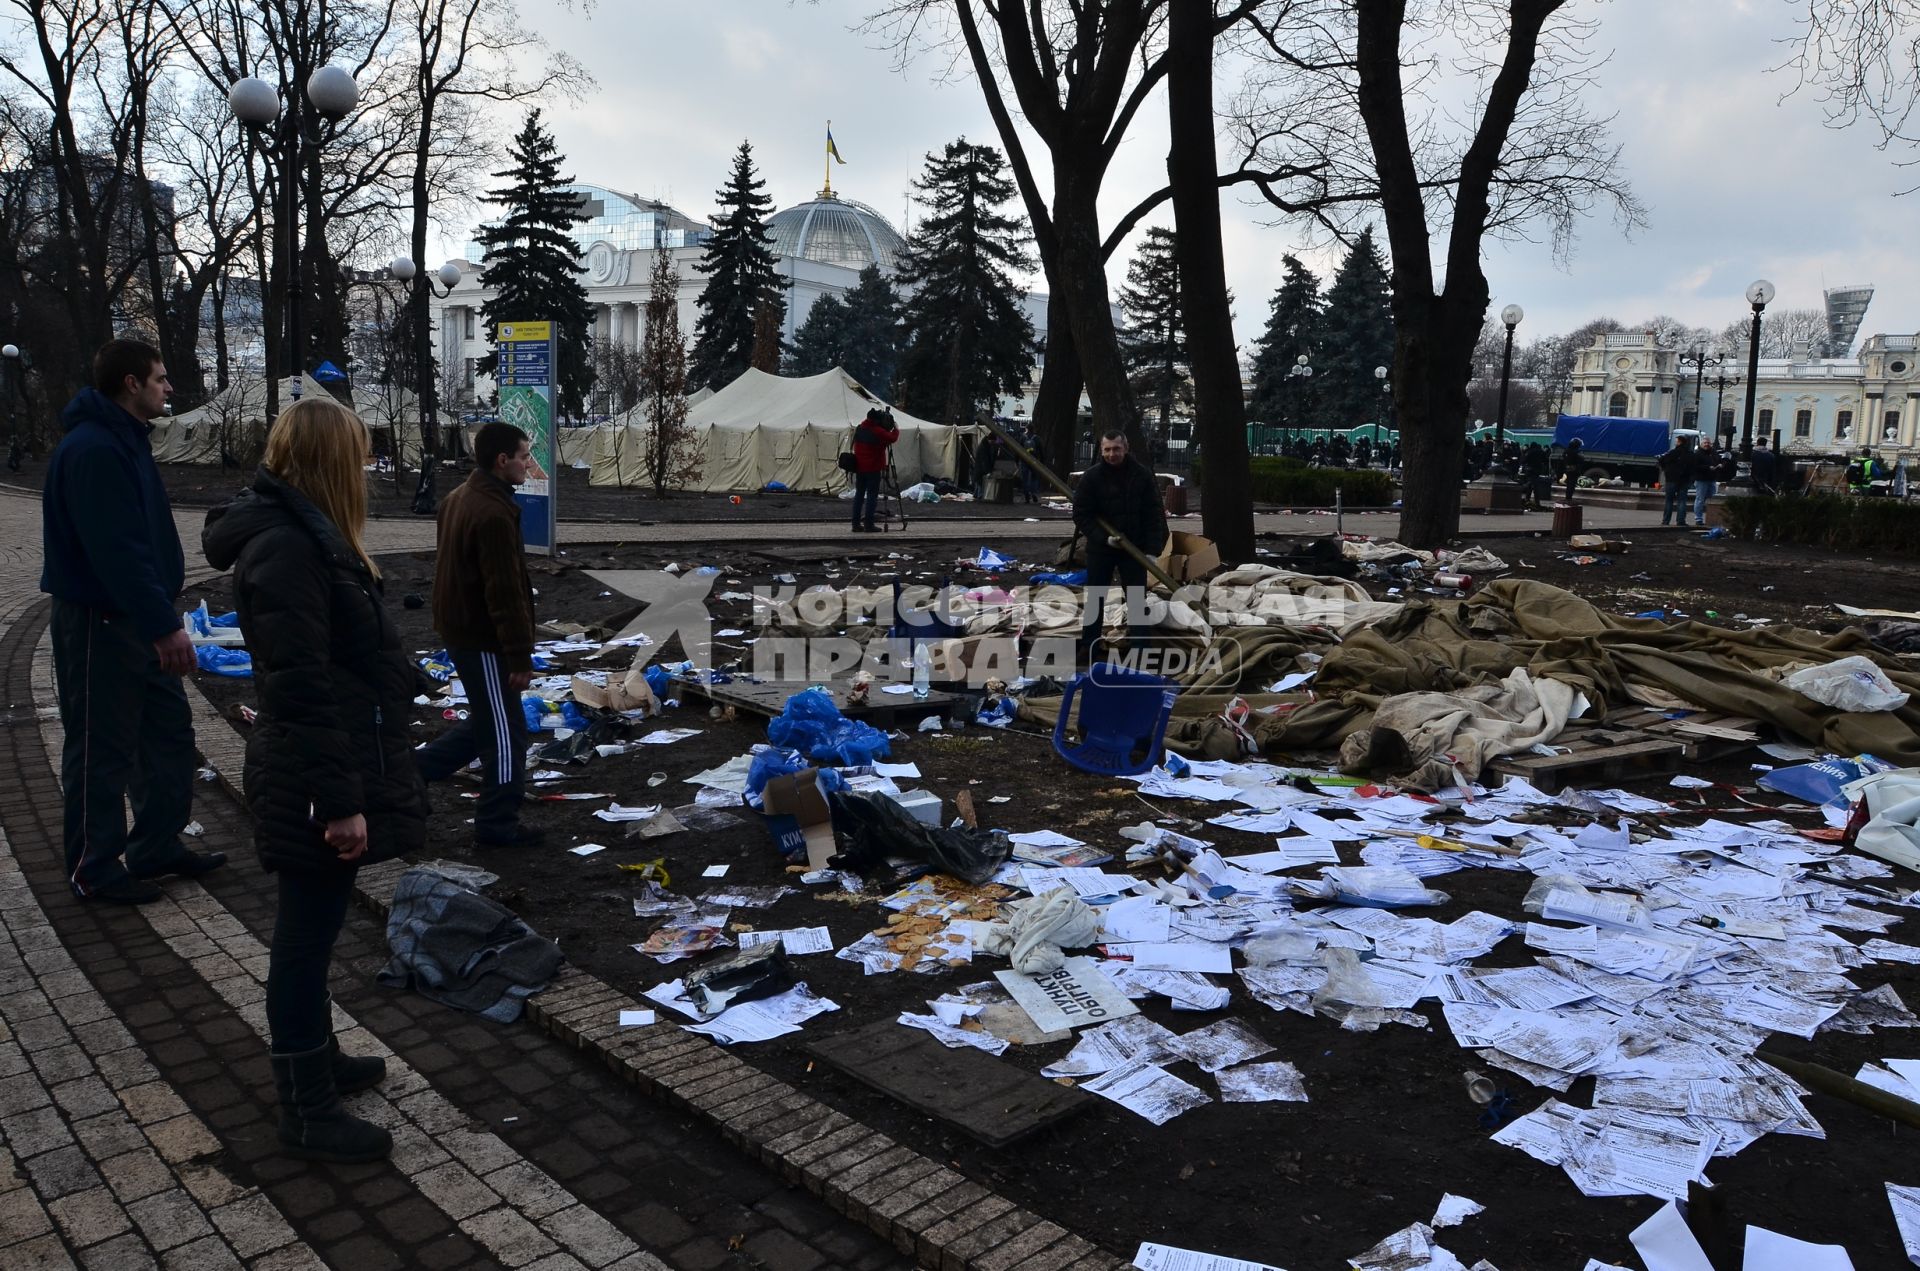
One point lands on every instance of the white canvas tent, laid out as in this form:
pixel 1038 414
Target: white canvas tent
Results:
pixel 240 411
pixel 764 428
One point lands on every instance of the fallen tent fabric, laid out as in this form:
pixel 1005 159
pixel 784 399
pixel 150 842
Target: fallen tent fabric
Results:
pixel 1433 738
pixel 763 428
pixel 1552 634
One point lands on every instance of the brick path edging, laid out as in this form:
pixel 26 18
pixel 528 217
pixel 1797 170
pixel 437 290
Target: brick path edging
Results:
pixel 931 1213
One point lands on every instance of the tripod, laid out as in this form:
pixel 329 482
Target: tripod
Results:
pixel 890 507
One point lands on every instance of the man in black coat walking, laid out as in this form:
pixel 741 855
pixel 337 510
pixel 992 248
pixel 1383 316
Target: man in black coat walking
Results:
pixel 115 569
pixel 1120 491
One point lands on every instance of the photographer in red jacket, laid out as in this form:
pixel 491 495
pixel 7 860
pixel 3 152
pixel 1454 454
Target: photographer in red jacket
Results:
pixel 871 439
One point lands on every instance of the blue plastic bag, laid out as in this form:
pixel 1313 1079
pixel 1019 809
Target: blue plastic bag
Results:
pixel 990 559
pixel 813 725
pixel 235 664
pixel 1072 578
pixel 437 665
pixel 1820 781
pixel 771 762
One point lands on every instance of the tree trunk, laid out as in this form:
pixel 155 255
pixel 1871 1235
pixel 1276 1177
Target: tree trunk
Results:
pixel 1056 407
pixel 1430 403
pixel 1080 281
pixel 1226 491
pixel 425 370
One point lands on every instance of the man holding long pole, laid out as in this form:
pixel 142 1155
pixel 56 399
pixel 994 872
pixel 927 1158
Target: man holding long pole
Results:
pixel 1118 506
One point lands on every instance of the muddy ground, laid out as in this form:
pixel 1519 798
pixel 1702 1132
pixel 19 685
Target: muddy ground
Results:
pixel 1387 1129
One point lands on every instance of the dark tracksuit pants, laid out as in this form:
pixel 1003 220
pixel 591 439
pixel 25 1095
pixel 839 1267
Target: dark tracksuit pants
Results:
pixel 129 737
pixel 1103 563
pixel 494 732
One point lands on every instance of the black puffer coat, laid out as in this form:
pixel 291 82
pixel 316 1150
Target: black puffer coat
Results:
pixel 335 687
pixel 1128 497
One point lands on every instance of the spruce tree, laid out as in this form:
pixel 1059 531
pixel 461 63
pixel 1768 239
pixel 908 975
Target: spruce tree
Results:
pixel 738 263
pixel 1358 337
pixel 532 264
pixel 820 343
pixel 769 319
pixel 1154 343
pixel 860 334
pixel 965 339
pixel 1293 327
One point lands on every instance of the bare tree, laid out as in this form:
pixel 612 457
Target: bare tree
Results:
pixel 672 456
pixel 1350 102
pixel 1861 58
pixel 1783 333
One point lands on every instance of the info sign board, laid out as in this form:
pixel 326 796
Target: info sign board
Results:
pixel 525 379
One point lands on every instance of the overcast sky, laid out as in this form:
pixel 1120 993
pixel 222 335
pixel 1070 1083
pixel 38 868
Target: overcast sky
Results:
pixel 1738 183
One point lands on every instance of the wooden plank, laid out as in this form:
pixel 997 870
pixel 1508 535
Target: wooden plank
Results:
pixel 1598 755
pixel 768 698
pixel 988 1098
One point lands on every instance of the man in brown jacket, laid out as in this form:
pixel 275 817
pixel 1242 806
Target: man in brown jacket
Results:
pixel 483 609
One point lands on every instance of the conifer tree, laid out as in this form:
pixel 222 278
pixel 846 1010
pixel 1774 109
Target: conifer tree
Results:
pixel 738 263
pixel 1357 336
pixel 672 456
pixel 859 333
pixel 532 263
pixel 965 339
pixel 1155 341
pixel 769 319
pixel 1293 327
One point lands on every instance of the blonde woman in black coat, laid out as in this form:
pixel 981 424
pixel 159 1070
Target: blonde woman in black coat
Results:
pixel 330 778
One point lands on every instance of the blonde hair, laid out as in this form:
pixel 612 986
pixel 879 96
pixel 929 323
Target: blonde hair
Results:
pixel 319 447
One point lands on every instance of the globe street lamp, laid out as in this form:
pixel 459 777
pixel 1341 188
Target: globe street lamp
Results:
pixel 1720 382
pixel 1759 294
pixel 449 275
pixel 1510 315
pixel 1299 373
pixel 15 363
pixel 332 93
pixel 1386 390
pixel 1698 358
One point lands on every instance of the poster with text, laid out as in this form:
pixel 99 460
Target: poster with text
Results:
pixel 525 377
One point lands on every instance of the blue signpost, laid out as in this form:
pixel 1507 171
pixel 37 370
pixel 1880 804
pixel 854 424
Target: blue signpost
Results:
pixel 526 401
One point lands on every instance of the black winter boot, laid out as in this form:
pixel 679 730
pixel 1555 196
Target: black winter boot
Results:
pixel 352 1074
pixel 313 1125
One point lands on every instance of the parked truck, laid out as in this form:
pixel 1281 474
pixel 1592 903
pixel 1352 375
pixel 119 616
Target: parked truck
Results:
pixel 1612 446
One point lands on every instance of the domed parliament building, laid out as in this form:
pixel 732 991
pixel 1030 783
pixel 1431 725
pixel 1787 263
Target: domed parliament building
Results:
pixel 820 247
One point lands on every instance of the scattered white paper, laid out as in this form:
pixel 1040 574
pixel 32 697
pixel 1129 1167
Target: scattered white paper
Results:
pixel 636 1019
pixel 1152 1257
pixel 715 871
pixel 1665 1243
pixel 796 941
pixel 615 812
pixel 1275 1082
pixel 1906 1216
pixel 1148 1091
pixel 1072 997
pixel 588 849
pixel 1216 958
pixel 1455 1210
pixel 1771 1251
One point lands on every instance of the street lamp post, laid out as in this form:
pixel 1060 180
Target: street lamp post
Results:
pixel 1300 373
pixel 15 364
pixel 448 274
pixel 1386 391
pixel 332 93
pixel 1510 315
pixel 1759 294
pixel 1698 358
pixel 1721 381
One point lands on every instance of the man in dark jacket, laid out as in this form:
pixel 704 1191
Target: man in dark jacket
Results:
pixel 1120 491
pixel 1678 468
pixel 114 569
pixel 871 438
pixel 1766 468
pixel 1571 461
pixel 483 609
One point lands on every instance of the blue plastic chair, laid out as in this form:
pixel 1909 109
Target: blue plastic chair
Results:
pixel 1123 714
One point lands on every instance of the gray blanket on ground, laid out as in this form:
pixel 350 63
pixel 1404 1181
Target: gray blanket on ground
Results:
pixel 460 948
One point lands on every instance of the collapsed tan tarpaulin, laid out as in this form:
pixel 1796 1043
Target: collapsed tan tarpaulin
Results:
pixel 1550 633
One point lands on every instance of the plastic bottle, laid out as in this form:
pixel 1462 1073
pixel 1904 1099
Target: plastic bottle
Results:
pixel 922 674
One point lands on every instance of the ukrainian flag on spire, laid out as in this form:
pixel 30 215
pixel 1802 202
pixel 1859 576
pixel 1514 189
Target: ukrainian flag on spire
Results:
pixel 831 148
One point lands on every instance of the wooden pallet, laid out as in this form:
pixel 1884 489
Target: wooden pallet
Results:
pixel 1705 734
pixel 768 698
pixel 1596 755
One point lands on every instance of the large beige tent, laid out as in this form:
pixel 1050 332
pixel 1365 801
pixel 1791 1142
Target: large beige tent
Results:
pixel 764 428
pixel 239 412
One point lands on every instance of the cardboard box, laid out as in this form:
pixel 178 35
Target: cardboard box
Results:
pixel 632 693
pixel 968 658
pixel 1598 543
pixel 1188 557
pixel 798 817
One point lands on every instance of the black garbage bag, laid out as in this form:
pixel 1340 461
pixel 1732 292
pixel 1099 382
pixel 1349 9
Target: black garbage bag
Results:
pixel 744 975
pixel 879 837
pixel 604 730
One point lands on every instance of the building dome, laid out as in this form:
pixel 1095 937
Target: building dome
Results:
pixel 836 232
